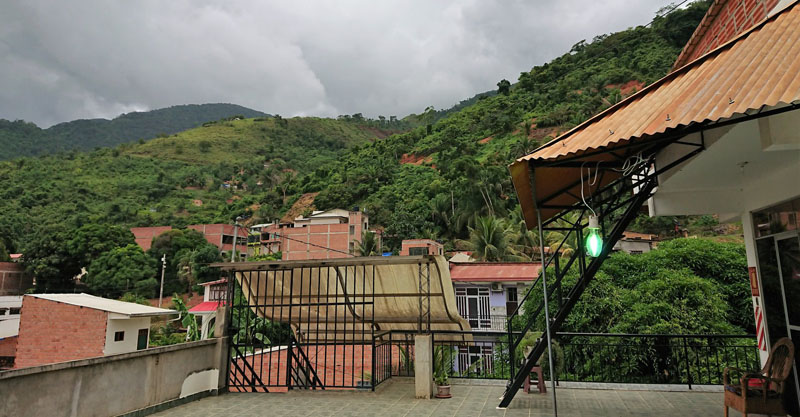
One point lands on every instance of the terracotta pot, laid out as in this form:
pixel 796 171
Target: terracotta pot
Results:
pixel 443 391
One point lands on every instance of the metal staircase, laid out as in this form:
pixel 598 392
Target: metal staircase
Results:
pixel 617 205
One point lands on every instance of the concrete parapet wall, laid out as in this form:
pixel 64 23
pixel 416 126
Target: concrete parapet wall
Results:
pixel 114 385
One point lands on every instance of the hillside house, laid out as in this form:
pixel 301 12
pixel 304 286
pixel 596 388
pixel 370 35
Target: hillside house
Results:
pixel 214 296
pixel 487 292
pixel 327 234
pixel 411 247
pixel 65 327
pixel 219 234
pixel 634 243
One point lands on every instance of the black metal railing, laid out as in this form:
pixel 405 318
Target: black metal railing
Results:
pixel 490 322
pixel 590 357
pixel 652 358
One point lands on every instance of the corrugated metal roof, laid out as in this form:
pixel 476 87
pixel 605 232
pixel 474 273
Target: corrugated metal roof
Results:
pixel 494 272
pixel 759 68
pixel 105 304
pixel 205 307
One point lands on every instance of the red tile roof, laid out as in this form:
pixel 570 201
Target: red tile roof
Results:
pixel 205 307
pixel 219 281
pixel 494 271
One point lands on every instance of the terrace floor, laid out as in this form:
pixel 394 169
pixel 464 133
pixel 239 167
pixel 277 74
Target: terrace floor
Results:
pixel 396 398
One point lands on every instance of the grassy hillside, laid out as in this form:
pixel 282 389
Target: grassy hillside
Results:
pixel 206 174
pixel 20 138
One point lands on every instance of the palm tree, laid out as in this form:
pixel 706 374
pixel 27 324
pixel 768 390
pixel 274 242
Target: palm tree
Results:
pixel 489 240
pixel 368 245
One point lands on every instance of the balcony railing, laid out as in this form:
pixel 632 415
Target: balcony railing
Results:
pixel 487 323
pixel 593 357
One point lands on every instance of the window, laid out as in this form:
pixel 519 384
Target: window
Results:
pixel 352 229
pixel 473 305
pixel 119 336
pixel 141 341
pixel 417 251
pixel 227 240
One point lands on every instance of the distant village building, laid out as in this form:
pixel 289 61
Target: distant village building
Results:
pixel 220 235
pixel 487 292
pixel 214 296
pixel 13 279
pixel 635 243
pixel 65 327
pixel 411 247
pixel 327 234
pixel 10 306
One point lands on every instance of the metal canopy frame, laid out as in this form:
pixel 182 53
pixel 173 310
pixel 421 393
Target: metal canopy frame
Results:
pixel 338 315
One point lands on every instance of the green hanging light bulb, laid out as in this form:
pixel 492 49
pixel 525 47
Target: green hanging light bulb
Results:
pixel 594 242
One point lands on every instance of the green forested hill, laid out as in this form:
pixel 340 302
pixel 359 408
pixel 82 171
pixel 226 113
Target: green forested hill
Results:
pixel 20 138
pixel 208 174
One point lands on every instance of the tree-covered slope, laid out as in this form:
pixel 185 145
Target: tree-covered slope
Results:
pixel 207 174
pixel 20 138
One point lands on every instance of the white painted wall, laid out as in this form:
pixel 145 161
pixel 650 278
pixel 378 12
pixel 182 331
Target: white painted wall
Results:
pixel 130 327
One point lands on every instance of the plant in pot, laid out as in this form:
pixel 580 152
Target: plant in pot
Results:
pixel 442 364
pixel 365 384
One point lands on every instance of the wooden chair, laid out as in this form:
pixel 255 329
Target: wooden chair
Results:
pixel 762 392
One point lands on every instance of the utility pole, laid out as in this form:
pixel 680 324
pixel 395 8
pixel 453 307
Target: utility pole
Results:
pixel 163 268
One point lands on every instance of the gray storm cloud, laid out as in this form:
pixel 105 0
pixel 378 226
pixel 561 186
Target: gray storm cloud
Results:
pixel 83 59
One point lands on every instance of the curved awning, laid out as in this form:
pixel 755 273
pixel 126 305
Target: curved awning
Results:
pixel 352 299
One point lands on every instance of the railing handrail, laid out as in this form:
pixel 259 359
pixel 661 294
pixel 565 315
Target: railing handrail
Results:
pixel 679 335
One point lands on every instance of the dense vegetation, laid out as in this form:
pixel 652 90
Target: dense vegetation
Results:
pixel 20 138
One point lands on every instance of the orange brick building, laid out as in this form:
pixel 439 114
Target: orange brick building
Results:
pixel 64 327
pixel 220 235
pixel 324 235
pixel 421 247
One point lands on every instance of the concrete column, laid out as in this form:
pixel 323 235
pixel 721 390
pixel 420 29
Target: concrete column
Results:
pixel 423 366
pixel 222 336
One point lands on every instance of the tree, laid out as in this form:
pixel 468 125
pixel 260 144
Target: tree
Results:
pixel 47 257
pixel 91 240
pixel 4 257
pixel 488 241
pixel 123 270
pixel 504 87
pixel 368 245
pixel 178 245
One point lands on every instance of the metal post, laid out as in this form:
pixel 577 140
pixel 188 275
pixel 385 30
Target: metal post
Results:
pixel 686 357
pixel 546 311
pixel 163 268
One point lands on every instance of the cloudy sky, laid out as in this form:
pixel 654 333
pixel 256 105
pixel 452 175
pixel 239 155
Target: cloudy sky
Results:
pixel 63 60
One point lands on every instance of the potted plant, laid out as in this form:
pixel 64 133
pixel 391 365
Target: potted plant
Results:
pixel 365 384
pixel 442 364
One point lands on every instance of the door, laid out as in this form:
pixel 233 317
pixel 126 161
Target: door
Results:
pixel 141 340
pixel 511 300
pixel 473 305
pixel 779 264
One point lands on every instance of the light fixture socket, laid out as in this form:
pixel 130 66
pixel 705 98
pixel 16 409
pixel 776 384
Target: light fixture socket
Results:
pixel 593 222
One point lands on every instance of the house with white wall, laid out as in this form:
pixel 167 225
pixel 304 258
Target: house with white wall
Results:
pixel 64 327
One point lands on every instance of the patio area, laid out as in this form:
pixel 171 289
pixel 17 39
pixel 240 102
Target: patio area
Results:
pixel 396 398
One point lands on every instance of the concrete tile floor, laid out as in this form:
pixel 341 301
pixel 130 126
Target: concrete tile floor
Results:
pixel 396 398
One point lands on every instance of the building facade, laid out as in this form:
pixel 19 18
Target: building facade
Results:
pixel 487 292
pixel 215 295
pixel 13 279
pixel 219 234
pixel 411 247
pixel 324 235
pixel 64 327
pixel 634 243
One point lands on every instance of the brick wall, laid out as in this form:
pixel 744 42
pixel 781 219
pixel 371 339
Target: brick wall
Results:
pixel 315 241
pixel 725 20
pixel 8 346
pixel 51 332
pixel 144 235
pixel 13 279
pixel 336 365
